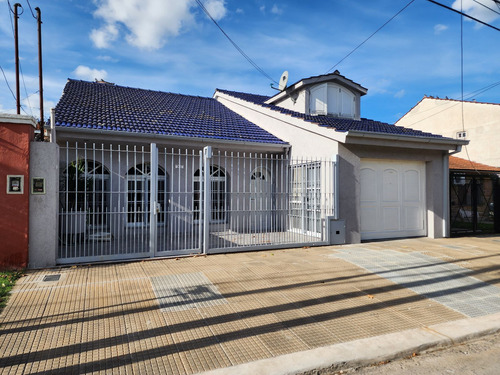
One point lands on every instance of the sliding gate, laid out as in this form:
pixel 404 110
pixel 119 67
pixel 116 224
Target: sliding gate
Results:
pixel 120 202
pixel 474 203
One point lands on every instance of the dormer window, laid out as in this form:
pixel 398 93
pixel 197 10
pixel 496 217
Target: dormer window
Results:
pixel 332 99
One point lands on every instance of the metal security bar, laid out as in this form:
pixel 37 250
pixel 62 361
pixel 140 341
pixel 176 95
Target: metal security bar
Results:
pixel 119 201
pixel 268 201
pixel 109 196
pixel 472 203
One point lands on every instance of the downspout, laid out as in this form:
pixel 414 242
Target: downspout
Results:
pixel 446 191
pixel 336 176
pixel 52 137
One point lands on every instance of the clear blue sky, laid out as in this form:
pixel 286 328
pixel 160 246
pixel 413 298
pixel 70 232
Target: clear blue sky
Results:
pixel 170 45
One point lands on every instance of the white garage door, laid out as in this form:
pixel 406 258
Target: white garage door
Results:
pixel 392 199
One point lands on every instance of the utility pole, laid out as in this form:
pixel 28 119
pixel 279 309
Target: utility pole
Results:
pixel 16 42
pixel 40 71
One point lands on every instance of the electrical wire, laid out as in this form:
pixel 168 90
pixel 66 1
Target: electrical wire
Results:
pixel 464 14
pixel 462 63
pixel 20 67
pixel 258 68
pixel 458 102
pixel 31 10
pixel 7 83
pixel 375 32
pixel 487 7
pixel 26 91
pixel 462 80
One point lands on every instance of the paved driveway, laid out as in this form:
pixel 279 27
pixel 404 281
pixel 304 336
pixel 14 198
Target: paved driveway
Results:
pixel 189 315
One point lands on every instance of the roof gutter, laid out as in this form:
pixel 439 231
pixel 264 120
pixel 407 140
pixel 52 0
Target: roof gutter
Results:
pixel 407 138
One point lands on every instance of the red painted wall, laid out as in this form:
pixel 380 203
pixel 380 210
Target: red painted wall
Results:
pixel 14 208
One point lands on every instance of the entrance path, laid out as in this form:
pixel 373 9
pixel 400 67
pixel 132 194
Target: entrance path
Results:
pixel 280 311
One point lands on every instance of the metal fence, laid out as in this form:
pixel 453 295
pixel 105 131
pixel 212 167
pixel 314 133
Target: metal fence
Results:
pixel 119 201
pixel 473 198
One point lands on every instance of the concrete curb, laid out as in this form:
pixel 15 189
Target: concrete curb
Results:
pixel 370 350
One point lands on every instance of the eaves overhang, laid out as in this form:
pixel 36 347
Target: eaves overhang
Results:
pixel 304 83
pixel 189 142
pixel 399 140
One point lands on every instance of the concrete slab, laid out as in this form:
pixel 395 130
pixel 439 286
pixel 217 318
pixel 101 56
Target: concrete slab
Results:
pixel 283 311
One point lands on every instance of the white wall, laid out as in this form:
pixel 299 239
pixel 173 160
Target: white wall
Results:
pixel 351 156
pixel 43 223
pixel 312 140
pixel 298 103
pixel 481 121
pixel 308 139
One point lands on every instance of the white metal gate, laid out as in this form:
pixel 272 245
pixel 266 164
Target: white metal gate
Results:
pixel 119 202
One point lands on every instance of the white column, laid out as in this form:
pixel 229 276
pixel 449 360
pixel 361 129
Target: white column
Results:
pixel 207 212
pixel 153 200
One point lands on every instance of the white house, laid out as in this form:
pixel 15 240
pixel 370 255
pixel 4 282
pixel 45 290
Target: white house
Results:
pixel 477 122
pixel 393 180
pixel 146 173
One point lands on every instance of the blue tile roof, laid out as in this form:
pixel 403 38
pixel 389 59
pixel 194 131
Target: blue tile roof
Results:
pixel 105 106
pixel 339 124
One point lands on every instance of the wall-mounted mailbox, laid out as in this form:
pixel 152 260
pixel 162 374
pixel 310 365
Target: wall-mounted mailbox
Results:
pixel 15 184
pixel 38 185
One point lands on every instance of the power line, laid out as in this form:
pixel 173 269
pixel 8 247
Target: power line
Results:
pixel 487 7
pixel 7 82
pixel 26 91
pixel 200 4
pixel 376 31
pixel 31 10
pixel 464 14
pixel 467 97
pixel 20 67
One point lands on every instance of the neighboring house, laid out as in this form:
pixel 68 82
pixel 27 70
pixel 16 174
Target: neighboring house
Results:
pixel 393 180
pixel 474 197
pixel 146 173
pixel 474 121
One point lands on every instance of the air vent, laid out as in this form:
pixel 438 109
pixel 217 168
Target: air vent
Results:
pixel 49 278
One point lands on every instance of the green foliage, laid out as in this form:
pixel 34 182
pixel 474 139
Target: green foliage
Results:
pixel 75 181
pixel 7 281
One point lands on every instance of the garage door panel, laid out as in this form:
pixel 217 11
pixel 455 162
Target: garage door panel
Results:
pixel 392 198
pixel 390 218
pixel 390 185
pixel 368 189
pixel 411 186
pixel 369 217
pixel 413 218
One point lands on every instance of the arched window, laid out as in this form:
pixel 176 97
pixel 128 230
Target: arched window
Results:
pixel 218 186
pixel 84 186
pixel 138 194
pixel 261 200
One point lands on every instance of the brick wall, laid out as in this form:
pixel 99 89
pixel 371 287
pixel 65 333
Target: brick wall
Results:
pixel 16 133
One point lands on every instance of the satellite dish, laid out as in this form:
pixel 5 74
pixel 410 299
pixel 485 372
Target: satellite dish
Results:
pixel 283 80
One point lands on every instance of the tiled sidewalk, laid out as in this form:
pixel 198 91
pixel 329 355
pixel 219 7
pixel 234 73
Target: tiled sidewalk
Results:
pixel 189 315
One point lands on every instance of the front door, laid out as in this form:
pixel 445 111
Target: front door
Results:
pixel 305 201
pixel 261 200
pixel 138 195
